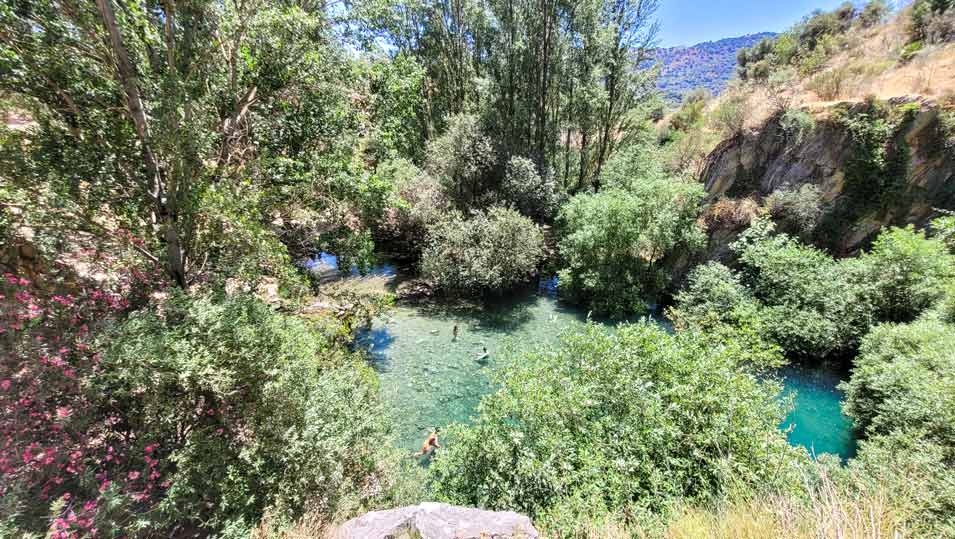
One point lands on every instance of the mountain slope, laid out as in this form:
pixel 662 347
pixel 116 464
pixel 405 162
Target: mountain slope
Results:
pixel 708 65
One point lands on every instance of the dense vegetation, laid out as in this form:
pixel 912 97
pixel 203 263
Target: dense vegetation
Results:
pixel 170 368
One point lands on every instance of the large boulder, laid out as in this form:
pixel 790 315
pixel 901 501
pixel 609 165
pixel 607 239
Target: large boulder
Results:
pixel 438 521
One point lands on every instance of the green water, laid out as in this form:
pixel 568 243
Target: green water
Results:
pixel 429 379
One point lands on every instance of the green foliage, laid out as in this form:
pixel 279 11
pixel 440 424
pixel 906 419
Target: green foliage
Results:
pixel 904 380
pixel 396 89
pixel 619 246
pixel 812 306
pixel 809 304
pixel 691 112
pixel 932 21
pixel 255 409
pixel 462 159
pixel 731 114
pixel 491 252
pixel 620 422
pixel 798 210
pixel 908 271
pixel 714 295
pixel 534 195
pixel 874 13
pixel 796 124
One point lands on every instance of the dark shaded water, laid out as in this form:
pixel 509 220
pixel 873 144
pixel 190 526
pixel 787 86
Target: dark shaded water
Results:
pixel 431 379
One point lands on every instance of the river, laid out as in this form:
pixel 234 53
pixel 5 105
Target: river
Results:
pixel 429 378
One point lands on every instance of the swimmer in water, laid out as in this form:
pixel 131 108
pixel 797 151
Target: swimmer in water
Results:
pixel 485 355
pixel 454 332
pixel 429 445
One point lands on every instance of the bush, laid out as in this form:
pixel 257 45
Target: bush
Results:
pixel 690 113
pixel 796 124
pixel 731 114
pixel 534 195
pixel 713 295
pixel 238 410
pixel 830 84
pixel 874 13
pixel 619 423
pixel 813 306
pixel 403 228
pixel 619 246
pixel 799 210
pixel 462 159
pixel 904 380
pixel 491 252
pixel 908 273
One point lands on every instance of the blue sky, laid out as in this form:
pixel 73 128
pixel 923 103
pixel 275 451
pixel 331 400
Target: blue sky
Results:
pixel 687 22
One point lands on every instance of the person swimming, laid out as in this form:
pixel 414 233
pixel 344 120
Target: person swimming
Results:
pixel 485 355
pixel 429 445
pixel 454 332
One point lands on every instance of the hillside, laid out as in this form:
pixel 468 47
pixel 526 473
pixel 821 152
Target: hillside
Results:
pixel 708 65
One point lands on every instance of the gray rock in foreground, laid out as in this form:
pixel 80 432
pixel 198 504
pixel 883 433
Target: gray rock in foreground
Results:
pixel 437 521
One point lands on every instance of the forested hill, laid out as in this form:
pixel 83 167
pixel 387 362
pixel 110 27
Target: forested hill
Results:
pixel 708 65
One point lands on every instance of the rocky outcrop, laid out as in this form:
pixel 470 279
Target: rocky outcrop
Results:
pixel 756 164
pixel 437 521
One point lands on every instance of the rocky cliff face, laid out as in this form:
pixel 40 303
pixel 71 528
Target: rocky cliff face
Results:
pixel 875 165
pixel 437 521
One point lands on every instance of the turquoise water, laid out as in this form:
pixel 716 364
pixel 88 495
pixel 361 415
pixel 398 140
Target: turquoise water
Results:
pixel 816 419
pixel 429 378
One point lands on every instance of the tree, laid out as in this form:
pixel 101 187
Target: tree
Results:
pixel 141 108
pixel 489 253
pixel 462 159
pixel 619 246
pixel 534 195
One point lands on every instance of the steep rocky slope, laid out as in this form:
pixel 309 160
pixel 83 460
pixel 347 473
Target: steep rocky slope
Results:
pixel 875 164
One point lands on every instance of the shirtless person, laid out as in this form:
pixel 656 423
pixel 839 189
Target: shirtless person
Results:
pixel 429 445
pixel 455 332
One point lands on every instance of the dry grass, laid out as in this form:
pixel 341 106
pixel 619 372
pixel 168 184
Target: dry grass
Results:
pixel 730 213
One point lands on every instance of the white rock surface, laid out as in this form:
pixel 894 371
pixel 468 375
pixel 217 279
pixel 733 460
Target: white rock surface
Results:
pixel 438 521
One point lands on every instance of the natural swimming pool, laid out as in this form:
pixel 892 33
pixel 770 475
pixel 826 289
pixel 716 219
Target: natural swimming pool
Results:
pixel 429 378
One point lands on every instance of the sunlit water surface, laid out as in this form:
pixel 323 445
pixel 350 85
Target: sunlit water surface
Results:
pixel 429 378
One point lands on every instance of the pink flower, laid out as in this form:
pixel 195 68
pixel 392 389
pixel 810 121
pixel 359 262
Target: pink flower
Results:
pixel 5 385
pixel 134 475
pixel 149 448
pixel 63 412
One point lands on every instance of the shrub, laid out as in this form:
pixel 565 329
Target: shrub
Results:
pixel 619 247
pixel 690 113
pixel 534 195
pixel 799 210
pixel 907 271
pixel 874 13
pixel 462 159
pixel 619 422
pixel 731 114
pixel 904 381
pixel 238 409
pixel 421 202
pixel 830 84
pixel 491 252
pixel 813 307
pixel 713 295
pixel 796 124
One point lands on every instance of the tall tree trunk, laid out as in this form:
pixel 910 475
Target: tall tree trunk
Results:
pixel 164 215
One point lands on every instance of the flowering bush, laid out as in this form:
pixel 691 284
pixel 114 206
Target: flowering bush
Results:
pixel 59 456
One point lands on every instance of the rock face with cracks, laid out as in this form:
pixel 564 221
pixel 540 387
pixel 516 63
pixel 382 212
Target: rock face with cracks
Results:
pixel 437 521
